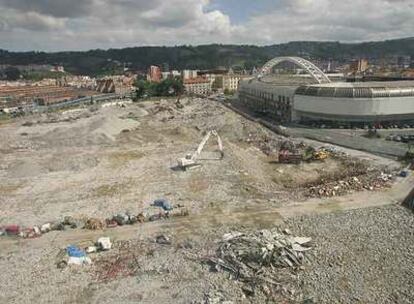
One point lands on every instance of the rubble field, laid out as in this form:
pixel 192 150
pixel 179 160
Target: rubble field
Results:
pixel 77 173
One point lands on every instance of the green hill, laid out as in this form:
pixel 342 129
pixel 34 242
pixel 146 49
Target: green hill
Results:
pixel 97 62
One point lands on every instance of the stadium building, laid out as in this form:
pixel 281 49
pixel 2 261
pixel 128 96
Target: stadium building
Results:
pixel 318 99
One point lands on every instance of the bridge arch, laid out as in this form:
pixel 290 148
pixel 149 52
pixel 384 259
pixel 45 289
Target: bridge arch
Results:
pixel 308 66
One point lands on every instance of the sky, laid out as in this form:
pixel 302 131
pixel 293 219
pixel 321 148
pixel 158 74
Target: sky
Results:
pixel 54 25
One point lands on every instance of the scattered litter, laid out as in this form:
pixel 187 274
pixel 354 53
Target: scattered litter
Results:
pixel 12 229
pixel 58 226
pixel 124 219
pixel 74 251
pixel 79 261
pixel 72 222
pixel 163 203
pixel 91 249
pixel 158 216
pixel 104 243
pixel 121 219
pixel 76 256
pixel 46 228
pixel 94 224
pixel 141 218
pixel 30 233
pixel 110 223
pixel 163 240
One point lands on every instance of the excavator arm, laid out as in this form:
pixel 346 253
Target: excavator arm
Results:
pixel 191 160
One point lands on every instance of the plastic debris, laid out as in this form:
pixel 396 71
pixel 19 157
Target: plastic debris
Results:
pixel 12 229
pixel 79 261
pixel 163 203
pixel 121 219
pixel 58 226
pixel 74 251
pixel 91 249
pixel 404 173
pixel 104 243
pixel 46 228
pixel 72 222
pixel 110 223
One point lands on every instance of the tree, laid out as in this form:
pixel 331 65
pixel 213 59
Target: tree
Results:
pixel 167 87
pixel 12 73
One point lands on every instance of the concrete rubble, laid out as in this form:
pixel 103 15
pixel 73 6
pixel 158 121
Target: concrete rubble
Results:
pixel 368 182
pixel 256 258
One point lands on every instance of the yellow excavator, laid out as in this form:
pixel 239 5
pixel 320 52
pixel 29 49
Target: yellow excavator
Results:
pixel 321 155
pixel 191 160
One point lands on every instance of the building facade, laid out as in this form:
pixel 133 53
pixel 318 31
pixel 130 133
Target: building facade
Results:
pixel 197 86
pixel 154 74
pixel 338 102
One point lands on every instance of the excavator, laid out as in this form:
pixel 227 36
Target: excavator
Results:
pixel 191 160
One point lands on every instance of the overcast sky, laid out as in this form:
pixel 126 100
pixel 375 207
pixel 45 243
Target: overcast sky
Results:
pixel 53 25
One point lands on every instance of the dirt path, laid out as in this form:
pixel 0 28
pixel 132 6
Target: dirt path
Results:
pixel 196 224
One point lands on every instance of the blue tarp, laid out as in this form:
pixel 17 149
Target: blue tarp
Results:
pixel 74 251
pixel 163 203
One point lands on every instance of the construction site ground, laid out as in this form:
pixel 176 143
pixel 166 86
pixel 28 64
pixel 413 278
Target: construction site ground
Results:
pixel 96 162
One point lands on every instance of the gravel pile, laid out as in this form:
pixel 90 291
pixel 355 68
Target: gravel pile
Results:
pixel 360 256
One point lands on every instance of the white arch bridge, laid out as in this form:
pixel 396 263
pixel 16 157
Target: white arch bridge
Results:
pixel 308 66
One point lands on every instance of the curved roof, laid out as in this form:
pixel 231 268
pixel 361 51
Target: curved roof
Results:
pixel 308 66
pixel 359 89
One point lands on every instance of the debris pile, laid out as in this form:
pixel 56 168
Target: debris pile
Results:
pixel 369 182
pixel 164 210
pixel 258 259
pixel 74 255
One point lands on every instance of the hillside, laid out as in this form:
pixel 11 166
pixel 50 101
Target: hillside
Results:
pixel 96 62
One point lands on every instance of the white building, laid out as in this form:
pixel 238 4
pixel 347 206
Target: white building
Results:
pixel 198 86
pixel 188 74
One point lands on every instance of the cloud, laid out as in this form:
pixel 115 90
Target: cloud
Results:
pixel 83 24
pixel 54 8
pixel 345 20
pixel 32 21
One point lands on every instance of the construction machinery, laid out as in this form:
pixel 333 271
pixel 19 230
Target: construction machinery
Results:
pixel 191 160
pixel 290 157
pixel 320 155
